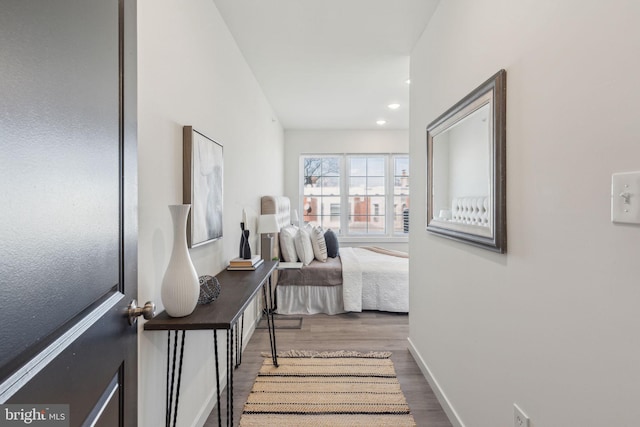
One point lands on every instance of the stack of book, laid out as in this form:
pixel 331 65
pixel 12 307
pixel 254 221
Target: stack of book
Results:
pixel 245 264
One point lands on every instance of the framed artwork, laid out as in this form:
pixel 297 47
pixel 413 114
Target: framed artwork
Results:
pixel 202 186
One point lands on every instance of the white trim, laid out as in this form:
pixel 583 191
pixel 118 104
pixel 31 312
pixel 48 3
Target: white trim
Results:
pixel 29 370
pixel 389 177
pixel 448 408
pixel 372 239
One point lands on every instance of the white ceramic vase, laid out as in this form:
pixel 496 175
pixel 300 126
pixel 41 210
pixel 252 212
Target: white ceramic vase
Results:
pixel 180 286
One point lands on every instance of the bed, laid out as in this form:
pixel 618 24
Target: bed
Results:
pixel 360 278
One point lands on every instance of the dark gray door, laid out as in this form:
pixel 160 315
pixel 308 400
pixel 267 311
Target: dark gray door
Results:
pixel 68 223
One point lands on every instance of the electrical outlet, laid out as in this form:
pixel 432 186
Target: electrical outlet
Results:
pixel 520 419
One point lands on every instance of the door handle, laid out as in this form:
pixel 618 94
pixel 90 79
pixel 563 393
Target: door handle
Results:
pixel 148 311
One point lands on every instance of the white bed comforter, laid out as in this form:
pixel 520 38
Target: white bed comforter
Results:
pixel 372 281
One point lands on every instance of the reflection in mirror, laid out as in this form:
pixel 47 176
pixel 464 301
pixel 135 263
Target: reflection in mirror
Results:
pixel 466 168
pixel 461 169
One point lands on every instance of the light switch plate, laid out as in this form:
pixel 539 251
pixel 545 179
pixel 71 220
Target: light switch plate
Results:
pixel 625 197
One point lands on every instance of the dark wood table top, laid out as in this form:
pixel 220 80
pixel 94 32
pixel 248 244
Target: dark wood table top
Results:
pixel 238 288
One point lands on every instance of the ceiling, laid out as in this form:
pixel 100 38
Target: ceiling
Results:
pixel 330 64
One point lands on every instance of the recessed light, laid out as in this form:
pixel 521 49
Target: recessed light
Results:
pixel 381 122
pixel 394 106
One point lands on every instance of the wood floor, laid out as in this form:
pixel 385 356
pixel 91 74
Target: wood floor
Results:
pixel 366 331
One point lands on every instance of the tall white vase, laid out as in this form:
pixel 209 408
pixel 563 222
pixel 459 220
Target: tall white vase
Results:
pixel 180 286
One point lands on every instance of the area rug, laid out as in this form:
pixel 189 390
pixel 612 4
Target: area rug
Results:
pixel 341 388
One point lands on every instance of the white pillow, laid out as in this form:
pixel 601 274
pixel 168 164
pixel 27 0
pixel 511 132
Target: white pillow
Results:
pixel 318 243
pixel 303 246
pixel 287 245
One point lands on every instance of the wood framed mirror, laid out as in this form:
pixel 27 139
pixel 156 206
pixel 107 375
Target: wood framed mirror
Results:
pixel 466 168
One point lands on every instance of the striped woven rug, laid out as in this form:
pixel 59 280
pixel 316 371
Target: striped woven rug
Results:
pixel 327 389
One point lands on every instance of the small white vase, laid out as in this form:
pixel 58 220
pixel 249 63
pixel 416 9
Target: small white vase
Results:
pixel 180 286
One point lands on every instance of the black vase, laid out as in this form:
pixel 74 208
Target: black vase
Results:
pixel 245 249
pixel 241 244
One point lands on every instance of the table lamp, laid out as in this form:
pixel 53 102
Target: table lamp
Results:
pixel 267 224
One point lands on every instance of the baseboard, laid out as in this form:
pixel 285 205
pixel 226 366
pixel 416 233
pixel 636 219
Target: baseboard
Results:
pixel 437 390
pixel 211 400
pixel 208 406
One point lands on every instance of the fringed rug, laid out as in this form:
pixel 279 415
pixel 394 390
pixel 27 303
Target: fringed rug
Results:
pixel 327 389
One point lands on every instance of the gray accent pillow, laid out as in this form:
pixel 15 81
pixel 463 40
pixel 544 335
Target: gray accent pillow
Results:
pixel 331 240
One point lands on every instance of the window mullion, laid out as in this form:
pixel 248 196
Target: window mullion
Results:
pixel 301 189
pixel 344 196
pixel 389 196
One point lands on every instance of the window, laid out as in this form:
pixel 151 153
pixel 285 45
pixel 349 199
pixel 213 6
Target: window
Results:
pixel 357 194
pixel 366 194
pixel 321 196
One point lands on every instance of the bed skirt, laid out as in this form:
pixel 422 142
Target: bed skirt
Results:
pixel 329 300
pixel 309 299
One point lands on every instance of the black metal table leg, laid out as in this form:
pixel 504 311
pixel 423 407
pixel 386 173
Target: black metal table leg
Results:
pixel 270 325
pixel 229 378
pixel 175 414
pixel 167 413
pixel 273 323
pixel 173 381
pixel 215 349
pixel 275 296
pixel 235 342
pixel 239 337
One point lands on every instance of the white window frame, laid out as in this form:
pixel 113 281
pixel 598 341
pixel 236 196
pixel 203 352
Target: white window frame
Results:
pixel 389 163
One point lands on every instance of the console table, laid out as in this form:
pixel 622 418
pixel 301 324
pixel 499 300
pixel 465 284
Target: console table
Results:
pixel 238 289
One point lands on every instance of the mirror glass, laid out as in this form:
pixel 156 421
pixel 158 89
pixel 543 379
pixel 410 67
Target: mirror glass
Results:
pixel 461 163
pixel 466 169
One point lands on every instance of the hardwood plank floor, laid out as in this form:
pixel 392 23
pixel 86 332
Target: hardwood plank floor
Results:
pixel 367 331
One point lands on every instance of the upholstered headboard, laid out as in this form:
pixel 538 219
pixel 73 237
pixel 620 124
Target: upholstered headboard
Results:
pixel 278 205
pixel 281 207
pixel 470 210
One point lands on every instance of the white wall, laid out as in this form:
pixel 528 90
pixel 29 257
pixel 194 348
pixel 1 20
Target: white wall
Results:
pixel 190 72
pixel 554 324
pixel 298 142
